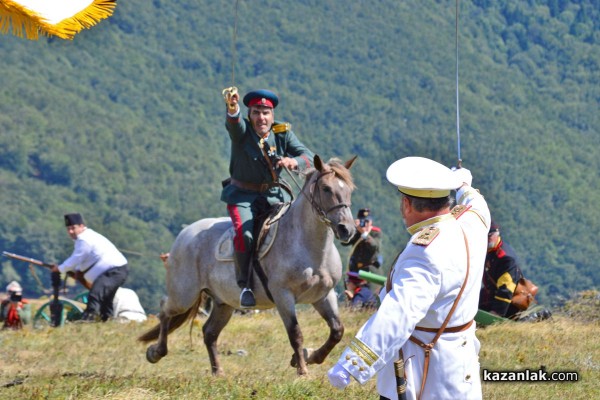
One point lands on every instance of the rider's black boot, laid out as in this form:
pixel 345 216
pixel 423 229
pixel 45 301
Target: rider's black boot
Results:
pixel 242 269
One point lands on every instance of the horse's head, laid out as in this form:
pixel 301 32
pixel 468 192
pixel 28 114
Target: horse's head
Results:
pixel 331 195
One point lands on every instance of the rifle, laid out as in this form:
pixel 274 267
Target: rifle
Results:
pixel 27 259
pixel 77 275
pixel 56 307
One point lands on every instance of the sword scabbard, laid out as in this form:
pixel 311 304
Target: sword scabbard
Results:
pixel 400 377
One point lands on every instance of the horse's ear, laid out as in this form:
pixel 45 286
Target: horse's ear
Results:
pixel 348 164
pixel 318 163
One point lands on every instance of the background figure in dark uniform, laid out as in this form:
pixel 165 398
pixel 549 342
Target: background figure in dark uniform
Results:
pixel 260 149
pixel 500 279
pixel 358 293
pixel 97 261
pixel 500 276
pixel 365 254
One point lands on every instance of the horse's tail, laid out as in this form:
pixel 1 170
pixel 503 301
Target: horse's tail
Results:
pixel 174 323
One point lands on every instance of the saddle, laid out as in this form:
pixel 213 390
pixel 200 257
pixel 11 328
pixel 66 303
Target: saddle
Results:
pixel 265 231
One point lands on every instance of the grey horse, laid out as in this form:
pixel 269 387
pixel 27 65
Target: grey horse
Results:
pixel 302 267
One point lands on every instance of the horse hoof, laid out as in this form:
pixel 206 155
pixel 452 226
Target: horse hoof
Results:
pixel 152 356
pixel 294 361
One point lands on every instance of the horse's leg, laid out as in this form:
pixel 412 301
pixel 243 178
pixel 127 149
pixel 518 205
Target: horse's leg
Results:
pixel 328 309
pixel 287 311
pixel 219 317
pixel 175 310
pixel 158 350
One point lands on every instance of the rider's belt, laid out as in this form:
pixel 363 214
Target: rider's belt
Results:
pixel 454 329
pixel 255 187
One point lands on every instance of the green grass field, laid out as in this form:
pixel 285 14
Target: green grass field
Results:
pixel 104 361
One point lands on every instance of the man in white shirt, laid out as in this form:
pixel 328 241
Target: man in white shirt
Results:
pixel 425 320
pixel 99 262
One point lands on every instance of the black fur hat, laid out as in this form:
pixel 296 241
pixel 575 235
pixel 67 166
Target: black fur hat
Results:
pixel 74 219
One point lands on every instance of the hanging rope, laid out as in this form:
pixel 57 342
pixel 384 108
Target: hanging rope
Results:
pixel 457 99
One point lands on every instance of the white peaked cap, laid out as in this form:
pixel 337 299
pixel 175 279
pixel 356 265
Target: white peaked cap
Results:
pixel 14 287
pixel 422 177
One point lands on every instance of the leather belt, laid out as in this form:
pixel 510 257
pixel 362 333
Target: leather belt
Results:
pixel 255 187
pixel 429 346
pixel 454 329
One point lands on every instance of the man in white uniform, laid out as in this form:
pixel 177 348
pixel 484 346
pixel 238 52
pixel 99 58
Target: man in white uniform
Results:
pixel 432 291
pixel 99 262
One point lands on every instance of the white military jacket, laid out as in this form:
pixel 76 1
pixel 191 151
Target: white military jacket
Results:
pixel 426 279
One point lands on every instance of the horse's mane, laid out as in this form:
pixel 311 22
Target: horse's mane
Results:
pixel 338 168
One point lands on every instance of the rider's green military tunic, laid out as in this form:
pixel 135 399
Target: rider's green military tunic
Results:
pixel 247 163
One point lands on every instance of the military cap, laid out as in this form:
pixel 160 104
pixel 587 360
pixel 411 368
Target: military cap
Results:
pixel 261 97
pixel 494 227
pixel 422 177
pixel 73 219
pixel 364 213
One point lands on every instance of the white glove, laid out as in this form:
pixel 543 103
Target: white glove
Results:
pixel 463 174
pixel 338 376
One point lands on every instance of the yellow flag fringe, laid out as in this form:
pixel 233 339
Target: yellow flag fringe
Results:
pixel 28 23
pixel 23 21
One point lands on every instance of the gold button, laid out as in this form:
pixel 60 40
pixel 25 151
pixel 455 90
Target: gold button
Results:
pixel 361 369
pixel 354 362
pixel 347 357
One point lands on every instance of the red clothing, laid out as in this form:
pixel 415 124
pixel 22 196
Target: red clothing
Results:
pixel 10 314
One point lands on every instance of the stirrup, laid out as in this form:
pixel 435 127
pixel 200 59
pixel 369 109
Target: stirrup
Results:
pixel 247 299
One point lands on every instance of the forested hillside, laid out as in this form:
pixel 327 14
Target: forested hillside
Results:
pixel 126 122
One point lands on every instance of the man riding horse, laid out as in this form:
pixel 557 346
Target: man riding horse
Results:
pixel 260 148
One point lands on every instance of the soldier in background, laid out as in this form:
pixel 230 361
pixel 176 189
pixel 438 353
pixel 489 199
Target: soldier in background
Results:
pixel 500 278
pixel 365 254
pixel 15 311
pixel 358 293
pixel 501 275
pixel 97 263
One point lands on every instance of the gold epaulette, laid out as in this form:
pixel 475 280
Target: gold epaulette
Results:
pixel 459 210
pixel 426 236
pixel 282 127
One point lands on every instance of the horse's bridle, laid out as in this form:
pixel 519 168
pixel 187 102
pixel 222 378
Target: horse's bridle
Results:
pixel 321 213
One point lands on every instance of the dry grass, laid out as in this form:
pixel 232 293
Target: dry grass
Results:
pixel 559 344
pixel 104 361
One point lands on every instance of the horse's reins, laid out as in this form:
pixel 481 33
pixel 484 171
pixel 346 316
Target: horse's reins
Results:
pixel 322 214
